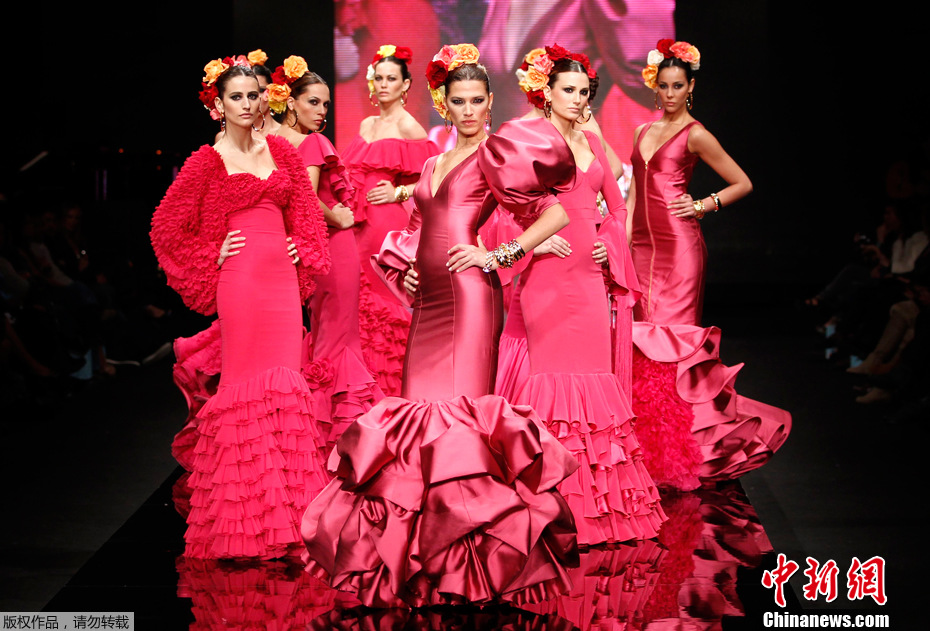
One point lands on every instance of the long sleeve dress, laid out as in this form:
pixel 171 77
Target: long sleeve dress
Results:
pixel 448 495
pixel 335 367
pixel 255 462
pixel 691 423
pixel 383 323
pixel 571 382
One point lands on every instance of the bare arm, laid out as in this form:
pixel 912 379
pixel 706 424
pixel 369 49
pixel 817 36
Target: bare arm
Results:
pixel 339 216
pixel 702 143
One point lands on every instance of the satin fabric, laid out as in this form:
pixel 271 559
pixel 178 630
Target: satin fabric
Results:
pixel 692 424
pixel 571 382
pixel 448 495
pixel 342 384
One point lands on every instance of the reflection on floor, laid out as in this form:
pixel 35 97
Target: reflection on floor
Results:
pixel 702 573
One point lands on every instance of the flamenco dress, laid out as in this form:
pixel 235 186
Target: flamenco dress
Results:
pixel 447 495
pixel 334 366
pixel 256 463
pixel 383 323
pixel 693 425
pixel 571 384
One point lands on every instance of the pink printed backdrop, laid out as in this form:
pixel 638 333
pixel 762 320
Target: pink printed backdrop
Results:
pixel 615 34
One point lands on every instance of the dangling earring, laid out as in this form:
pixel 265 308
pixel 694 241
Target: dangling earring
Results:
pixel 372 99
pixel 590 114
pixel 322 127
pixel 223 123
pixel 487 123
pixel 658 107
pixel 403 98
pixel 296 118
pixel 447 123
pixel 547 109
pixel 263 122
pixel 690 100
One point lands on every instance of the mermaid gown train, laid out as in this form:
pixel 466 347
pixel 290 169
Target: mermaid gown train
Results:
pixel 692 424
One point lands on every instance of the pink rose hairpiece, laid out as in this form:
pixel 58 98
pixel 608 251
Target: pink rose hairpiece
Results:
pixel 293 68
pixel 666 49
pixel 212 72
pixel 445 61
pixel 537 66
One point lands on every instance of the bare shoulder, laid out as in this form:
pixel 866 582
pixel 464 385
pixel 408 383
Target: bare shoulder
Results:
pixel 700 139
pixel 410 129
pixel 638 132
pixel 366 125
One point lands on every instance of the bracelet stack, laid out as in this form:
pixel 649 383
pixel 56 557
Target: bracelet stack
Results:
pixel 401 194
pixel 506 255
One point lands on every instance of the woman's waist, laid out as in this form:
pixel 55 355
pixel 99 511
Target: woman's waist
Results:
pixel 264 215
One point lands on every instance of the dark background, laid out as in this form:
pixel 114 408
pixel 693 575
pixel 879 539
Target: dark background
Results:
pixel 814 100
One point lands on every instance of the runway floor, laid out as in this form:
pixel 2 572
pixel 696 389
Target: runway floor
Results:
pixel 90 525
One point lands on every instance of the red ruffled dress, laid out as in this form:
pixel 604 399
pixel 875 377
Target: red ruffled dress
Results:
pixel 334 365
pixel 692 424
pixel 383 323
pixel 572 384
pixel 449 494
pixel 256 462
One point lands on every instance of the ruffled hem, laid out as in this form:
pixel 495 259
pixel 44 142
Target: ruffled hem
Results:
pixel 256 467
pixel 513 366
pixel 444 502
pixel 196 369
pixel 734 434
pixel 384 326
pixel 343 389
pixel 611 495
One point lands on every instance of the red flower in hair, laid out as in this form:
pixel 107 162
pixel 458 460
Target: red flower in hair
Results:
pixel 436 73
pixel 278 76
pixel 208 96
pixel 665 47
pixel 556 52
pixel 404 54
pixel 536 98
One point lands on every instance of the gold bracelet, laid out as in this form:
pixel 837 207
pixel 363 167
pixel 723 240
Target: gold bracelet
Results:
pixel 717 203
pixel 401 194
pixel 698 208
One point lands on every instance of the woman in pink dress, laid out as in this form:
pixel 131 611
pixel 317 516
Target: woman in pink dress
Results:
pixel 335 369
pixel 383 160
pixel 693 425
pixel 448 495
pixel 572 385
pixel 239 233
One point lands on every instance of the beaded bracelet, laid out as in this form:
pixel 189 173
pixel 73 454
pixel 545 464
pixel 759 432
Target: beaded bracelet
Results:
pixel 506 255
pixel 716 201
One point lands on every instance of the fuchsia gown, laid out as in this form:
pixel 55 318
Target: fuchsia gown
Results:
pixel 572 385
pixel 383 323
pixel 255 464
pixel 692 424
pixel 335 369
pixel 448 495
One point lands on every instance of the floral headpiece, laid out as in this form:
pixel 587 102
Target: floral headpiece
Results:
pixel 537 65
pixel 212 72
pixel 257 57
pixel 388 50
pixel 665 49
pixel 445 61
pixel 279 89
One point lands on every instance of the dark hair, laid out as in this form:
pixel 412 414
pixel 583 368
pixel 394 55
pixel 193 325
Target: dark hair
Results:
pixel 468 72
pixel 262 71
pixel 303 82
pixel 229 73
pixel 404 71
pixel 675 62
pixel 570 65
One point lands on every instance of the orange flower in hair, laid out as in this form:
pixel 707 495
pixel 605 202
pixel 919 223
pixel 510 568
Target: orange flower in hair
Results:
pixel 213 70
pixel 257 57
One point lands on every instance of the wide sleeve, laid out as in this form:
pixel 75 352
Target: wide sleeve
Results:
pixel 187 255
pixel 317 150
pixel 393 261
pixel 621 275
pixel 303 217
pixel 526 163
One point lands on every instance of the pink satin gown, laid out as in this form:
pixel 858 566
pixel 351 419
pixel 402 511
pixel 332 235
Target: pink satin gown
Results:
pixel 571 384
pixel 691 423
pixel 448 495
pixel 335 368
pixel 383 324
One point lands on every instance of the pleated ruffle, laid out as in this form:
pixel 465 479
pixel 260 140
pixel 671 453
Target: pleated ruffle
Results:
pixel 383 327
pixel 734 434
pixel 611 495
pixel 444 502
pixel 256 467
pixel 198 361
